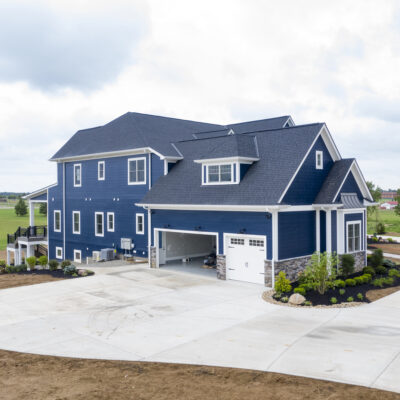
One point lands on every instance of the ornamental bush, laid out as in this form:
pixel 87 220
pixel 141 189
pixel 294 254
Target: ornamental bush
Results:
pixel 359 280
pixel 381 270
pixel 347 261
pixel 285 299
pixel 70 270
pixel 339 283
pixel 307 303
pixel 43 260
pixel 381 282
pixel 333 300
pixel 388 263
pixel 360 296
pixel 350 282
pixel 65 263
pixel 342 292
pixel 376 258
pixel 367 278
pixel 300 290
pixel 2 263
pixel 282 284
pixel 350 299
pixel 31 262
pixel 53 265
pixel 307 286
pixel 394 273
pixel 369 270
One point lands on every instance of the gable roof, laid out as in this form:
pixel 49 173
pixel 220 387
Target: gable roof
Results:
pixel 282 151
pixel 260 125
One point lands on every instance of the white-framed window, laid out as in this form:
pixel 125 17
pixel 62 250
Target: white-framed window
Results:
pixel 101 170
pixel 99 224
pixel 59 253
pixel 77 256
pixel 237 241
pixel 140 224
pixel 76 222
pixel 219 174
pixel 353 236
pixel 77 175
pixel 110 222
pixel 256 242
pixel 57 221
pixel 319 159
pixel 137 171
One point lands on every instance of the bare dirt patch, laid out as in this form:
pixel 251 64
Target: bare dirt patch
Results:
pixel 376 294
pixel 14 280
pixel 386 248
pixel 42 377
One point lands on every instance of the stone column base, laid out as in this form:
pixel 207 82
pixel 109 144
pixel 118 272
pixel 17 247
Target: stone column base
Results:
pixel 221 266
pixel 359 260
pixel 153 257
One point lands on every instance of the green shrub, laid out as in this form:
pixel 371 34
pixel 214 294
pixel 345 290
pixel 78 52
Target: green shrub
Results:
pixel 65 263
pixel 342 292
pixel 284 299
pixel 377 258
pixel 359 280
pixel 70 270
pixel 10 269
pixel 277 296
pixel 360 296
pixel 307 286
pixel 307 303
pixel 53 265
pixel 282 284
pixel 74 274
pixel 22 268
pixel 369 270
pixel 31 262
pixel 350 282
pixel 380 228
pixel 388 263
pixel 339 283
pixel 390 240
pixel 347 262
pixel 43 260
pixel 300 290
pixel 381 270
pixel 321 271
pixel 333 300
pixel 374 239
pixel 89 272
pixel 383 282
pixel 394 273
pixel 2 263
pixel 367 278
pixel 350 299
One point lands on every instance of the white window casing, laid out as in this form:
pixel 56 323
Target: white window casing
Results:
pixel 77 256
pixel 77 175
pixel 57 221
pixel 110 222
pixel 220 174
pixel 140 224
pixel 319 159
pixel 59 253
pixel 76 222
pixel 101 170
pixel 137 171
pixel 99 224
pixel 353 236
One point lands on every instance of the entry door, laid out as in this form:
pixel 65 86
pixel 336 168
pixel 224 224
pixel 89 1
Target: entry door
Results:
pixel 245 257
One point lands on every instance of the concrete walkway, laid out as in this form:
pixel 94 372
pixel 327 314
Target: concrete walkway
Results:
pixel 135 313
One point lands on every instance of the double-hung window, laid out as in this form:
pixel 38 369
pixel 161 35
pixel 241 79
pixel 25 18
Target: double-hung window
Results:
pixel 101 170
pixel 77 175
pixel 110 222
pixel 137 171
pixel 353 236
pixel 219 173
pixel 76 222
pixel 57 221
pixel 99 224
pixel 140 224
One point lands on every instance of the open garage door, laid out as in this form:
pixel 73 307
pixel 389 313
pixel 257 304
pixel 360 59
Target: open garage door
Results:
pixel 245 255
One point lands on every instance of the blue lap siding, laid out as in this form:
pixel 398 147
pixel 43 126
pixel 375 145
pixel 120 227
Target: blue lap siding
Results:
pixel 254 223
pixel 350 186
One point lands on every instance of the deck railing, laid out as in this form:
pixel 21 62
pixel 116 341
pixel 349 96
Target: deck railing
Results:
pixel 39 232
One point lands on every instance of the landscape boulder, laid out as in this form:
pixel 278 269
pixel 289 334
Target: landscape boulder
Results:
pixel 296 299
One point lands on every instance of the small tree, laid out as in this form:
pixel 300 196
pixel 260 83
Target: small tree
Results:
pixel 20 208
pixel 376 258
pixel 282 284
pixel 321 271
pixel 43 261
pixel 43 208
pixel 397 198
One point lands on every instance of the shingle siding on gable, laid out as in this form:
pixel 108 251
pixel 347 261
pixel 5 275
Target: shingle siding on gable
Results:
pixel 296 234
pixel 309 180
pixel 350 186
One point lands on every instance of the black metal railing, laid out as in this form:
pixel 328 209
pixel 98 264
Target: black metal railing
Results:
pixel 29 232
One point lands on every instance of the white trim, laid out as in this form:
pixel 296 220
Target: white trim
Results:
pixel 80 175
pixel 145 170
pixel 38 192
pixel 328 229
pixel 318 230
pixel 290 122
pixel 207 182
pixel 334 153
pixel 353 210
pixel 103 178
pixel 38 201
pixel 95 223
pixel 227 160
pixel 165 167
pixel 321 164
pixel 138 232
pixel 54 221
pixel 294 258
pixel 108 221
pixel 59 249
pixel 356 222
pixel 209 207
pixel 73 222
pixel 80 256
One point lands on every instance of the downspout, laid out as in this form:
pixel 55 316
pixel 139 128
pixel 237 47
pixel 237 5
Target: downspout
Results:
pixel 65 250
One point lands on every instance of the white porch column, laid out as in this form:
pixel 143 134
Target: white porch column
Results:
pixel 8 257
pixel 318 230
pixel 28 251
pixel 31 213
pixel 19 255
pixel 328 231
pixel 275 243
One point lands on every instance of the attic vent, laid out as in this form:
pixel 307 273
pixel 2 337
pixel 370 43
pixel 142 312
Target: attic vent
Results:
pixel 231 132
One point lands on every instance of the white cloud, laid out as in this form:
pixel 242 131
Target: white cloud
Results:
pixel 224 61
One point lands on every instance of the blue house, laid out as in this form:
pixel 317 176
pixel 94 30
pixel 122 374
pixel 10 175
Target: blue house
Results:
pixel 262 195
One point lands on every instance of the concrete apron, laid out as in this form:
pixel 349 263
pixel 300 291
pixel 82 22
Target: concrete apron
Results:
pixel 137 313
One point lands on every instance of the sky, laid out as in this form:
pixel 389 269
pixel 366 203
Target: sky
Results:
pixel 70 65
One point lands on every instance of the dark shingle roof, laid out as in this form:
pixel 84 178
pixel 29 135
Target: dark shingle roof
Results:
pixel 260 125
pixel 333 181
pixel 281 153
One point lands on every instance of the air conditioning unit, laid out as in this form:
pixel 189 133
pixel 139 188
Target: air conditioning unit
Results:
pixel 126 244
pixel 96 255
pixel 107 254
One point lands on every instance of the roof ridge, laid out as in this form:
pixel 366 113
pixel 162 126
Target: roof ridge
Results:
pixel 209 138
pixel 258 120
pixel 283 129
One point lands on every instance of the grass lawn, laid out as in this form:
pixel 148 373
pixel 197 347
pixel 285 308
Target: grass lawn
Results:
pixel 389 218
pixel 9 223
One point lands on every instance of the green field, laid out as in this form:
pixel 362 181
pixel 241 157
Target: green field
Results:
pixel 389 218
pixel 9 223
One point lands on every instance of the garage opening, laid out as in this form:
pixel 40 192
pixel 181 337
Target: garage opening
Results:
pixel 188 251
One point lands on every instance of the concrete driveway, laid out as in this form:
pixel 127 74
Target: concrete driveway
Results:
pixel 135 313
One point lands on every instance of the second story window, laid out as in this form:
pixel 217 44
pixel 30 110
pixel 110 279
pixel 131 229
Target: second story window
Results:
pixel 101 170
pixel 99 224
pixel 137 171
pixel 77 175
pixel 76 222
pixel 319 160
pixel 219 174
pixel 57 221
pixel 110 222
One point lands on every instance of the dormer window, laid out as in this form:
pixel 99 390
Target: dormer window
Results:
pixel 219 173
pixel 319 160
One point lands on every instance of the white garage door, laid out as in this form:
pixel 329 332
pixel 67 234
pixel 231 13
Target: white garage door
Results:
pixel 245 257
